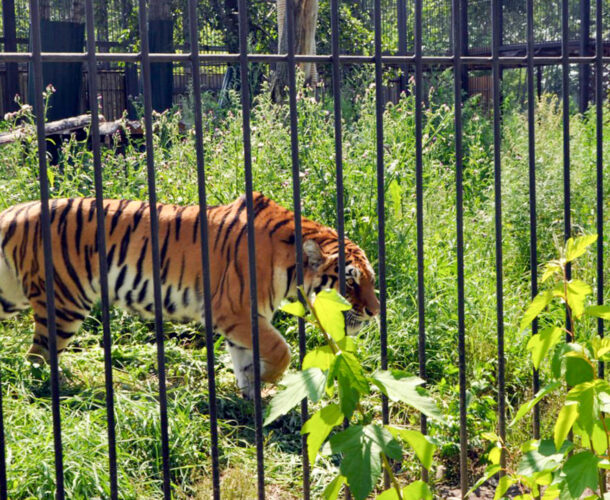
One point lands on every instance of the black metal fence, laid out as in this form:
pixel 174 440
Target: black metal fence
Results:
pixel 416 63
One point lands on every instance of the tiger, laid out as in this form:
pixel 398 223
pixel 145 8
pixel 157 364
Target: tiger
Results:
pixel 75 254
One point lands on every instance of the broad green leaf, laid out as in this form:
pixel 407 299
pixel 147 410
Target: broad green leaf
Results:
pixel 490 471
pixel 543 478
pixel 595 439
pixel 398 386
pixel 588 397
pixel 551 269
pixel 541 343
pixel 598 311
pixel 536 307
pixel 601 347
pixel 320 357
pixel 318 428
pixel 551 493
pixel 329 307
pixel 604 402
pixel 566 418
pixel 577 295
pixel 581 472
pixel 495 454
pixel 421 444
pixel 578 369
pixel 575 247
pixel 331 492
pixel 490 436
pixel 350 380
pixel 361 447
pixel 544 458
pixel 295 308
pixel 347 344
pixel 557 360
pixel 300 385
pixel 417 490
pixel 390 494
pixel 504 483
pixel 526 407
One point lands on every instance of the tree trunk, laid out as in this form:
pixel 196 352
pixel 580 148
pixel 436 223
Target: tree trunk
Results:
pixel 305 18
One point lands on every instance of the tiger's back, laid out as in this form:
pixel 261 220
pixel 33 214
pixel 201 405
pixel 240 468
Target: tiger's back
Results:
pixel 130 268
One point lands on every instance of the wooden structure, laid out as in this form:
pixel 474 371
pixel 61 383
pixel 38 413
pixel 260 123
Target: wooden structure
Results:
pixel 118 85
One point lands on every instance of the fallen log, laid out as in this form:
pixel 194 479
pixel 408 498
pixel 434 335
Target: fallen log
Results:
pixel 64 126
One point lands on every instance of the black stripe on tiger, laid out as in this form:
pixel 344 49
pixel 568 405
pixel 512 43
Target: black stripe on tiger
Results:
pixel 139 264
pixel 238 212
pixel 79 226
pixel 142 293
pixel 124 246
pixel 178 220
pixel 137 216
pixel 167 302
pixel 117 214
pixel 120 281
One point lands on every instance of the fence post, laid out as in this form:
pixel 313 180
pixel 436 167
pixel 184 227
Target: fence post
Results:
pixel 11 86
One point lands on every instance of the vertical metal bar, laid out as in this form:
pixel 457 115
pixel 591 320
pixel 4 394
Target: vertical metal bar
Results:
pixel 566 128
pixel 336 90
pixel 459 219
pixel 379 105
pixel 401 21
pixel 496 9
pixel 10 45
pixel 3 485
pixel 584 69
pixel 245 102
pixel 47 247
pixel 462 15
pixel 205 251
pixel 298 231
pixel 599 99
pixel 531 142
pixel 101 242
pixel 419 210
pixel 154 236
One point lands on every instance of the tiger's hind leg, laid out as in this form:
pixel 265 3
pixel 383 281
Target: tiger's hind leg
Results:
pixel 67 323
pixel 12 299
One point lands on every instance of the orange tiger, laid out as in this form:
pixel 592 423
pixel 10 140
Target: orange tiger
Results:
pixel 129 257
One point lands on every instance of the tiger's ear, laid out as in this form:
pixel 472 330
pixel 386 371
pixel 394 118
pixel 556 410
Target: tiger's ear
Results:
pixel 313 255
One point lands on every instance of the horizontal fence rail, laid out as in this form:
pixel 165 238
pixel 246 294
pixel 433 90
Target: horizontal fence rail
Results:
pixel 459 62
pixel 274 58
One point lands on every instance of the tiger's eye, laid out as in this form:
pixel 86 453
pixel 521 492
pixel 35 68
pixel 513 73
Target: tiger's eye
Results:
pixel 350 281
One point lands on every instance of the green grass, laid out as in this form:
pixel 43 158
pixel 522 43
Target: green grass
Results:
pixel 25 388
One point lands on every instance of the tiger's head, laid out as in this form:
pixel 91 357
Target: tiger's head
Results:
pixel 322 271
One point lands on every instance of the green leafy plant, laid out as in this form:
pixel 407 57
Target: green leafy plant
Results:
pixel 333 372
pixel 576 456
